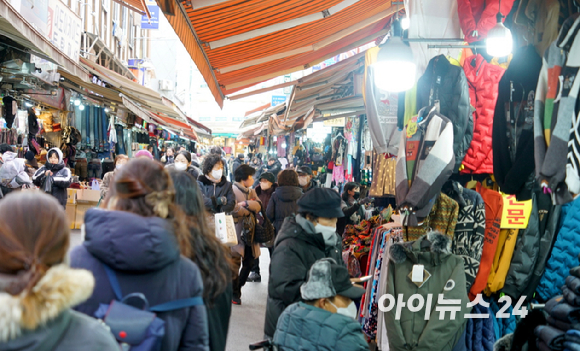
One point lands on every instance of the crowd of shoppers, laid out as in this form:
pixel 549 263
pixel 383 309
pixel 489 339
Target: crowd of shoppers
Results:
pixel 153 239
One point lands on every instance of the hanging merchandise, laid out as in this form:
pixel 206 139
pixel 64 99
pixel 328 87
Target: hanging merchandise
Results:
pixel 446 84
pixel 442 218
pixel 540 19
pixel 384 179
pixel 552 118
pixel 513 125
pixel 477 17
pixel 10 110
pixel 501 261
pixel 424 164
pixel 483 79
pixel 381 109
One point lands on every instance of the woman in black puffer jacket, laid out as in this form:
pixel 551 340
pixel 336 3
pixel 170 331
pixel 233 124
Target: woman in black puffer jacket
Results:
pixel 283 201
pixel 218 195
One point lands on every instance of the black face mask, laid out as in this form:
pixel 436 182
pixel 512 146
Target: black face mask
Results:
pixel 356 195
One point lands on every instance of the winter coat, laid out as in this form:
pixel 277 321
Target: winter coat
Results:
pixel 480 16
pixel 218 319
pixel 564 253
pixel 265 195
pixel 513 140
pixel 501 261
pixel 274 169
pixel 211 191
pixel 412 331
pixel 145 255
pixel 532 247
pixel 480 335
pixel 237 163
pixel 425 162
pixel 447 83
pixel 296 248
pixel 239 213
pixel 353 211
pixel 573 157
pixel 283 204
pixel 493 212
pixel 469 230
pixel 61 178
pixel 504 325
pixel 54 325
pixel 302 326
pixel 442 218
pixel 107 183
pixel 13 172
pixel 483 79
pixel 553 112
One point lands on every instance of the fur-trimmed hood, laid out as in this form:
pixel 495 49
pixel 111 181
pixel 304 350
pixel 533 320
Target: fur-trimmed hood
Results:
pixel 437 243
pixel 57 291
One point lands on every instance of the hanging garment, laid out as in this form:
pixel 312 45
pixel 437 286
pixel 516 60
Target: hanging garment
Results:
pixel 10 110
pixel 384 181
pixel 553 112
pixel 501 261
pixel 381 108
pixel 477 17
pixel 424 164
pixel 447 84
pixel 483 79
pixel 442 218
pixel 542 17
pixel 513 125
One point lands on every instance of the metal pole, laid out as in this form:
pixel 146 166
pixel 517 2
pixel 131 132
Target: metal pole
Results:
pixel 433 40
pixel 456 46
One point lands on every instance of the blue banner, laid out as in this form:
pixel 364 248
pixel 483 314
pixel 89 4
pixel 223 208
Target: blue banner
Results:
pixel 153 22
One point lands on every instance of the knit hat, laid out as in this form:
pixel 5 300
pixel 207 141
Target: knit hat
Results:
pixel 327 279
pixel 29 155
pixel 321 202
pixel 143 153
pixel 305 170
pixel 268 176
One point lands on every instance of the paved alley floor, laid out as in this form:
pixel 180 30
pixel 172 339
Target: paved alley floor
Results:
pixel 247 320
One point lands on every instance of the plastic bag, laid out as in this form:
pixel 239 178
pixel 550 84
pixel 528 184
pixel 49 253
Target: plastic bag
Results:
pixel 47 186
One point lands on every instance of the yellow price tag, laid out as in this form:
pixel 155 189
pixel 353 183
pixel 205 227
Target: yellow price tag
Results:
pixel 516 214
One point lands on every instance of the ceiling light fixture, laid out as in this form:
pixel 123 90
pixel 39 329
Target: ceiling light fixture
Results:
pixel 499 39
pixel 82 107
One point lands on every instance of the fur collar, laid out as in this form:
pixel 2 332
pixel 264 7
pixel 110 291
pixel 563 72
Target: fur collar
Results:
pixel 438 243
pixel 60 289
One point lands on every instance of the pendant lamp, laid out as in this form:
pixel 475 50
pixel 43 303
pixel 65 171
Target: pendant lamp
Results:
pixel 395 68
pixel 499 38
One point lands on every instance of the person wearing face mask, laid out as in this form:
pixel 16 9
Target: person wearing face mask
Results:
pixel 328 308
pixel 351 206
pixel 61 175
pixel 169 157
pixel 120 161
pixel 305 178
pixel 303 239
pixel 183 162
pixel 218 195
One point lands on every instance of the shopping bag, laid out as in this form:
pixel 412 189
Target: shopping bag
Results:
pixel 95 185
pixel 225 229
pixel 47 186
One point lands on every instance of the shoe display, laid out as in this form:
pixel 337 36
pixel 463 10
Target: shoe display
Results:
pixel 236 301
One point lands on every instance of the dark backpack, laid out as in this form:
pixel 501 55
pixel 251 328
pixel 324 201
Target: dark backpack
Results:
pixel 137 328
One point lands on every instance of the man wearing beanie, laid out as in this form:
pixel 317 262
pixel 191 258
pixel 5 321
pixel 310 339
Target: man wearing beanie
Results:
pixel 328 309
pixel 302 240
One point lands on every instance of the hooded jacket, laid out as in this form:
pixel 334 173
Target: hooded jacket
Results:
pixel 61 177
pixel 479 16
pixel 412 331
pixel 513 139
pixel 145 256
pixel 254 205
pixel 13 172
pixel 47 322
pixel 296 248
pixel 447 83
pixel 211 191
pixel 554 107
pixel 425 162
pixel 305 327
pixel 283 204
pixel 483 79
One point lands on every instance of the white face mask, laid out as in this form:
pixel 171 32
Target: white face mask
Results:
pixel 119 166
pixel 180 166
pixel 265 186
pixel 302 181
pixel 217 174
pixel 349 311
pixel 328 233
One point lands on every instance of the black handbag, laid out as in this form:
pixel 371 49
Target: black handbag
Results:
pixel 264 233
pixel 47 186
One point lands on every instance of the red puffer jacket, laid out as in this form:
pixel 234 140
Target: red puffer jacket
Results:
pixel 483 79
pixel 480 16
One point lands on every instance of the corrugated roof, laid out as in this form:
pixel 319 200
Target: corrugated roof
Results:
pixel 239 43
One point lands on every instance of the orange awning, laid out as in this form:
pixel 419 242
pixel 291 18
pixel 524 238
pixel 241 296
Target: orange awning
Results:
pixel 135 5
pixel 239 43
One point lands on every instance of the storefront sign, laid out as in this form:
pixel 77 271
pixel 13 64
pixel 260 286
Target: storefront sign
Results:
pixel 337 122
pixel 278 99
pixel 153 22
pixel 64 29
pixel 516 214
pixel 58 101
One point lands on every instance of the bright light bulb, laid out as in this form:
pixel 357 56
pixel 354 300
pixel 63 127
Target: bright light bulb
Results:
pixel 77 102
pixel 284 145
pixel 395 76
pixel 499 41
pixel 37 112
pixel 405 23
pixel 82 107
pixel 241 143
pixel 27 104
pixel 107 109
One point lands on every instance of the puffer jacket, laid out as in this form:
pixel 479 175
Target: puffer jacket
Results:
pixel 504 326
pixel 302 326
pixel 145 256
pixel 479 16
pixel 61 178
pixel 553 112
pixel 13 172
pixel 564 253
pixel 412 331
pixel 240 213
pixel 483 79
pixel 513 139
pixel 296 248
pixel 54 325
pixel 447 83
pixel 283 204
pixel 211 191
pixel 532 248
pixel 480 334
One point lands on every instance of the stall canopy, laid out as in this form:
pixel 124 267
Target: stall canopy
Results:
pixel 16 28
pixel 239 43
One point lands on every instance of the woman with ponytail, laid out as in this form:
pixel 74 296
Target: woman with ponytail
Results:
pixel 144 239
pixel 212 258
pixel 37 287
